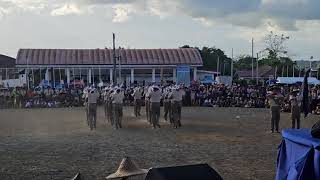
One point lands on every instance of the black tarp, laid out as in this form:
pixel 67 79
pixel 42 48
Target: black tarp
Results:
pixel 189 172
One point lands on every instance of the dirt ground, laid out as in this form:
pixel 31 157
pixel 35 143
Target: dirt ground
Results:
pixel 56 143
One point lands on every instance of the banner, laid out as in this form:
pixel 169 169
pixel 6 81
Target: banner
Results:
pixel 183 75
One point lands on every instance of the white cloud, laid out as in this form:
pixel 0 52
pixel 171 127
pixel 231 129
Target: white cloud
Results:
pixel 66 9
pixel 121 12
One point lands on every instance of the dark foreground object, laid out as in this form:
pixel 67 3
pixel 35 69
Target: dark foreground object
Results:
pixel 190 172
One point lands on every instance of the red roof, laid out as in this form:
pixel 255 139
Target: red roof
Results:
pixel 185 56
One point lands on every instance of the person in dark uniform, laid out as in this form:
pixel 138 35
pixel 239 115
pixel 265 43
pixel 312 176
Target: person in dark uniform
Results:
pixel 275 98
pixel 295 101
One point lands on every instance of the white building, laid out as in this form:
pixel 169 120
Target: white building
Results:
pixel 96 65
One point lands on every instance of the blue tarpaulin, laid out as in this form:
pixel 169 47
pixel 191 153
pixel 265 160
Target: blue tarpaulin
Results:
pixel 208 80
pixel 183 75
pixel 293 80
pixel 298 156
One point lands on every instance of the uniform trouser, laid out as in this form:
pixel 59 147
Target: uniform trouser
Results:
pixel 295 116
pixel 93 115
pixel 155 113
pixel 86 108
pixel 167 109
pixel 117 114
pixel 106 109
pixel 148 114
pixel 137 107
pixel 110 112
pixel 275 118
pixel 176 110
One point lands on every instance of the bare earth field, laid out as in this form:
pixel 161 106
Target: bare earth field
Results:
pixel 56 143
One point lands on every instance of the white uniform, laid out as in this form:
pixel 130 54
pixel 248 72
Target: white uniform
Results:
pixel 117 101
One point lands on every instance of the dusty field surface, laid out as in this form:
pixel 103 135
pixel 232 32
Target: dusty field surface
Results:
pixel 56 143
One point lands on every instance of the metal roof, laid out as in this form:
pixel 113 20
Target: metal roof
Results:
pixel 6 61
pixel 181 56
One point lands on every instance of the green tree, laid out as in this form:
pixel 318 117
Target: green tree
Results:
pixel 275 45
pixel 210 56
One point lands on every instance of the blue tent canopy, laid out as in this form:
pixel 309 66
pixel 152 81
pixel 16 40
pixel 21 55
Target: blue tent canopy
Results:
pixel 294 80
pixel 208 80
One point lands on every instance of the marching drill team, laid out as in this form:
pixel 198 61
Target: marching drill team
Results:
pixel 113 97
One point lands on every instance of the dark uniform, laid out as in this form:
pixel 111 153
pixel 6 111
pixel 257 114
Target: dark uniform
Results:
pixel 295 110
pixel 275 101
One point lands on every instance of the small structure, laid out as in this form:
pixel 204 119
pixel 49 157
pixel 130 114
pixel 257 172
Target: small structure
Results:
pixel 264 73
pixel 7 65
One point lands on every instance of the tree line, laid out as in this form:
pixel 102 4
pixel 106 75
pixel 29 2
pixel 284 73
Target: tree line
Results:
pixel 275 55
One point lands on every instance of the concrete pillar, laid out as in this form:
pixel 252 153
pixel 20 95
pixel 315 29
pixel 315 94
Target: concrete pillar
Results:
pixel 195 78
pixel 161 74
pixel 111 75
pixel 153 75
pixel 7 75
pixel 174 77
pixel 132 76
pixel 46 76
pixel 0 76
pixel 67 71
pixel 40 75
pixel 89 76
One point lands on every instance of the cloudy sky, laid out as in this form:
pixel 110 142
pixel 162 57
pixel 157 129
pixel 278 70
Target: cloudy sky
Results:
pixel 225 24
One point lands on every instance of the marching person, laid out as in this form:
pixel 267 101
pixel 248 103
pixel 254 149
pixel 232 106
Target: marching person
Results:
pixel 176 97
pixel 86 104
pixel 275 98
pixel 295 100
pixel 105 101
pixel 155 97
pixel 109 107
pixel 167 104
pixel 117 103
pixel 147 90
pixel 92 103
pixel 137 95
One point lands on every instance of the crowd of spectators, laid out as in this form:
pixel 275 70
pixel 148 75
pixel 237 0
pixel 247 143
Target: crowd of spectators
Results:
pixel 219 95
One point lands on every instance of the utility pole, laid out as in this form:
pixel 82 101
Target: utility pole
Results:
pixel 252 62
pixel 293 75
pixel 257 69
pixel 114 59
pixel 218 65
pixel 232 66
pixel 119 59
